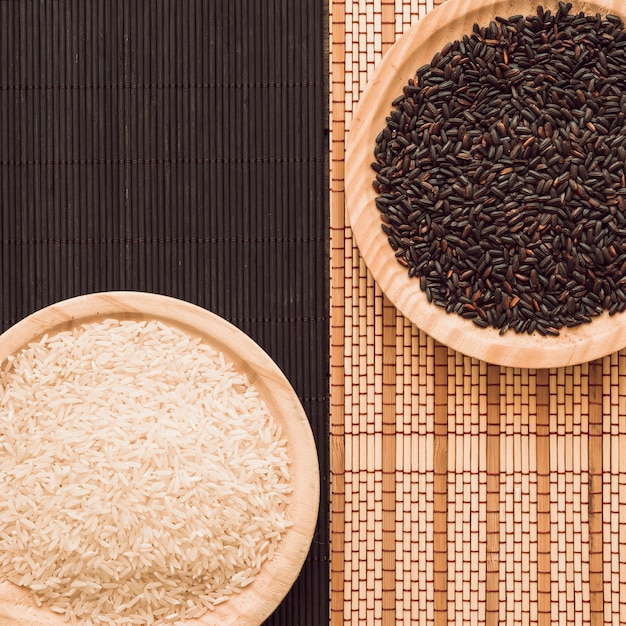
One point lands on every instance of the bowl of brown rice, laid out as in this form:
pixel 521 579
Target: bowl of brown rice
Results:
pixel 485 178
pixel 156 467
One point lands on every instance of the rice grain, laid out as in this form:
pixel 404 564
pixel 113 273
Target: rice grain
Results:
pixel 142 479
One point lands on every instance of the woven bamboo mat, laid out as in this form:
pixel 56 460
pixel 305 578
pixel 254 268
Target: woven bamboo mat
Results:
pixel 177 147
pixel 461 492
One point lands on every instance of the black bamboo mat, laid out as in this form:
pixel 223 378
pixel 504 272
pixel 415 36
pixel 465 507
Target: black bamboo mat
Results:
pixel 179 147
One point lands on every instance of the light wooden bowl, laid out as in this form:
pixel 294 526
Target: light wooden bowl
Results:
pixel 446 23
pixel 256 602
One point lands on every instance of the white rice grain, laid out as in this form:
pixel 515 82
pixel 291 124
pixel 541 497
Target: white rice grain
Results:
pixel 142 479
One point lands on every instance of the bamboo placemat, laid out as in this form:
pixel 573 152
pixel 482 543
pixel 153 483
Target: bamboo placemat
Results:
pixel 461 492
pixel 177 147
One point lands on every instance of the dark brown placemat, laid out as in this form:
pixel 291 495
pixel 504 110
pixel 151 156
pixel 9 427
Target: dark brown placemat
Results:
pixel 179 147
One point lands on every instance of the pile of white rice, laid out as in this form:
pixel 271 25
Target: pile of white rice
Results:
pixel 142 479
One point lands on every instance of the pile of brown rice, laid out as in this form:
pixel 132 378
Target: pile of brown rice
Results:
pixel 142 479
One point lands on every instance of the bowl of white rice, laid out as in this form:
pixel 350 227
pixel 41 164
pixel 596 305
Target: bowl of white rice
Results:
pixel 156 467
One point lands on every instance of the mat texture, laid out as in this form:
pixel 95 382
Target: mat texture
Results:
pixel 179 147
pixel 462 493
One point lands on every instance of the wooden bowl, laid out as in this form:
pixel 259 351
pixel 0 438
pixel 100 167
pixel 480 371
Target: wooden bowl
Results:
pixel 450 21
pixel 256 602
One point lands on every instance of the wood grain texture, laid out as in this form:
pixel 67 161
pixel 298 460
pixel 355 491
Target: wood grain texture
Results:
pixel 256 602
pixel 413 49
